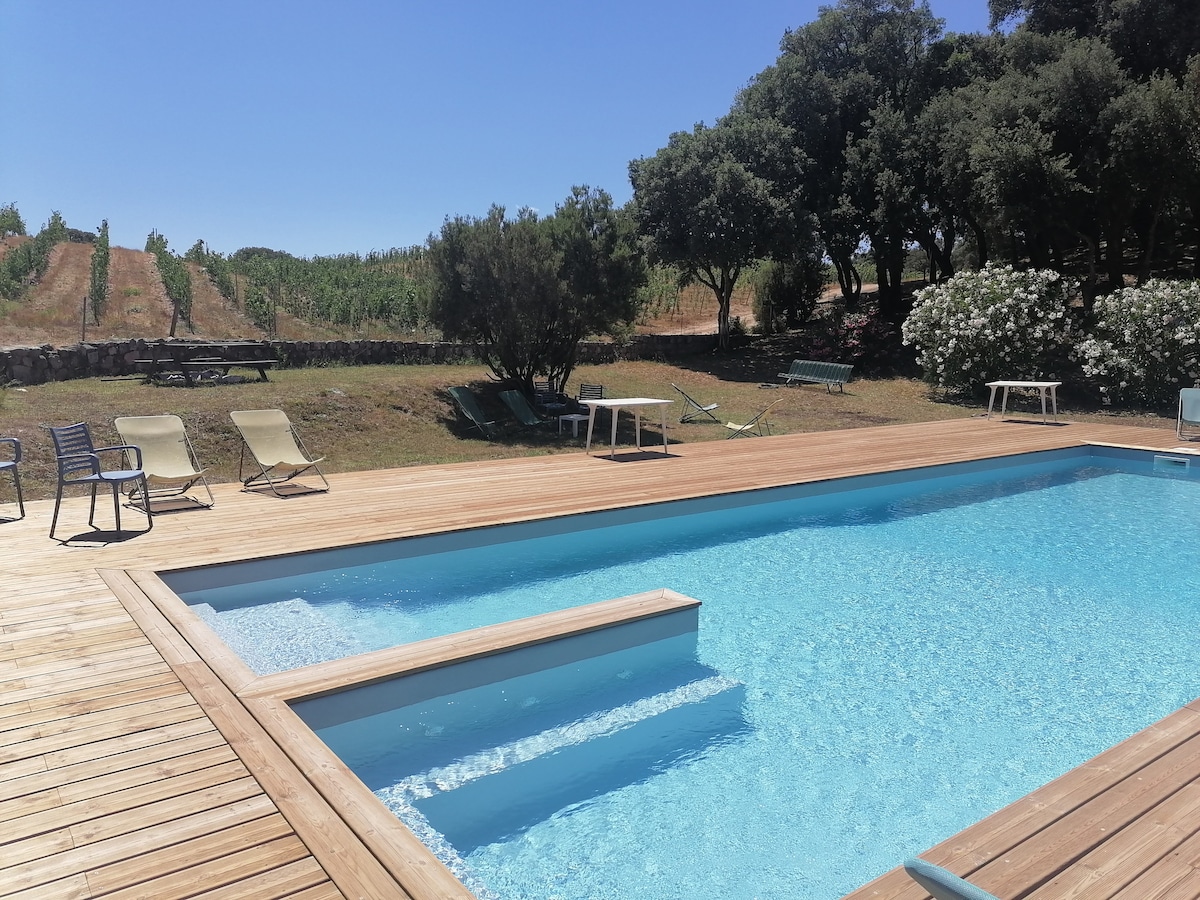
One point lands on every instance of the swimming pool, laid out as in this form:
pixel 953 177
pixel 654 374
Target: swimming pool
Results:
pixel 825 751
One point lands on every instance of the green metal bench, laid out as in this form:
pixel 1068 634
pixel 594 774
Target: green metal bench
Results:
pixel 826 373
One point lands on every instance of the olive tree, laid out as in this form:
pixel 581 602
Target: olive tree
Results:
pixel 526 290
pixel 715 200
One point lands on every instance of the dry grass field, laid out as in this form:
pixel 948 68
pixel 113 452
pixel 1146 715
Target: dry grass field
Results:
pixel 381 417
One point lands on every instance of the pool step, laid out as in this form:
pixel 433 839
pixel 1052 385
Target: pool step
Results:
pixel 299 633
pixel 493 794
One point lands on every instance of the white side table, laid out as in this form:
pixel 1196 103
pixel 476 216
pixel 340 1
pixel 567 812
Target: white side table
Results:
pixel 574 419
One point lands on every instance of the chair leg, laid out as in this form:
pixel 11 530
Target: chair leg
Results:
pixel 146 501
pixel 57 503
pixel 116 491
pixel 92 512
pixel 17 487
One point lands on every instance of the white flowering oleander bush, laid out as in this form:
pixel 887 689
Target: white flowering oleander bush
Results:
pixel 1145 344
pixel 997 323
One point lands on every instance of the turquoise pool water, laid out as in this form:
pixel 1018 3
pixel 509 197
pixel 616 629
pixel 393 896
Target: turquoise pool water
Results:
pixel 874 670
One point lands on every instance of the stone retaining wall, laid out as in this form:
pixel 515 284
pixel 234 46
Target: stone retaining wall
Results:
pixel 37 365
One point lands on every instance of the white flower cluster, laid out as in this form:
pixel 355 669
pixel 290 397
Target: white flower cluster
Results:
pixel 1146 343
pixel 996 323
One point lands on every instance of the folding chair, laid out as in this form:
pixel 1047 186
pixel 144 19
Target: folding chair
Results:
pixel 268 435
pixel 79 463
pixel 10 465
pixel 520 408
pixel 168 458
pixel 1189 414
pixel 756 427
pixel 693 410
pixel 466 404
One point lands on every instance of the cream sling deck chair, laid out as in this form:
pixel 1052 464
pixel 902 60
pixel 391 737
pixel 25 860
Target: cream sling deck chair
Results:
pixel 273 443
pixel 756 427
pixel 168 460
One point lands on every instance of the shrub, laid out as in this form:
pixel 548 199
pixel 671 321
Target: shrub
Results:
pixel 994 323
pixel 1145 343
pixel 863 339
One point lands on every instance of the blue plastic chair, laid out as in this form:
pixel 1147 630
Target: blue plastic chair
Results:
pixel 10 465
pixel 79 463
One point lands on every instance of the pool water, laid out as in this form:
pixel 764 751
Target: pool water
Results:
pixel 874 671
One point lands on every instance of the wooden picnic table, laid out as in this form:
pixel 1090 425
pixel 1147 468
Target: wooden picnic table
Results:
pixel 187 358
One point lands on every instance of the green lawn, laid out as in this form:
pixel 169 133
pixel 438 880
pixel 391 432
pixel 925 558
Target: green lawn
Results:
pixel 377 417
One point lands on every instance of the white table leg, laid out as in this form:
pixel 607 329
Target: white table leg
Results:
pixel 991 401
pixel 612 451
pixel 591 421
pixel 1043 393
pixel 1004 402
pixel 637 427
pixel 664 429
pixel 1054 400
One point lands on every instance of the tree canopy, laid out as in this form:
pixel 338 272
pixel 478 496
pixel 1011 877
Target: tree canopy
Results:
pixel 526 290
pixel 716 199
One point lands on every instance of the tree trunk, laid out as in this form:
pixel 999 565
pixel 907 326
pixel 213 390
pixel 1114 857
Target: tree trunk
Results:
pixel 981 240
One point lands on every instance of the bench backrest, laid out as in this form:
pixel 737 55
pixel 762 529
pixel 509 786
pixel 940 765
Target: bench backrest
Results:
pixel 808 368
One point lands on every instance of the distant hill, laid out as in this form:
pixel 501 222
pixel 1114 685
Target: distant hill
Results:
pixel 137 306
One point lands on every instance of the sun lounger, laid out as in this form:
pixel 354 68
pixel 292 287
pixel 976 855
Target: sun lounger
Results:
pixel 1187 424
pixel 756 427
pixel 520 407
pixel 693 410
pixel 466 404
pixel 275 447
pixel 168 458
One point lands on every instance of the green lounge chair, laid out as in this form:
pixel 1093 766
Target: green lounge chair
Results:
pixel 942 884
pixel 520 407
pixel 1189 414
pixel 466 403
pixel 693 410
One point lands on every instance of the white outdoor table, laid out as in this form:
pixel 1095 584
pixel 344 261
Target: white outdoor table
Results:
pixel 1042 387
pixel 634 403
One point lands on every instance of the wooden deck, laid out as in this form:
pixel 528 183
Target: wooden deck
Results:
pixel 132 765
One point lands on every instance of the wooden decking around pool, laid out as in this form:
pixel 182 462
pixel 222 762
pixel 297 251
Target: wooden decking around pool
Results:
pixel 130 766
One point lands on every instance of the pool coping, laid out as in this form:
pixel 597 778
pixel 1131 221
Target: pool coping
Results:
pixel 222 683
pixel 59 598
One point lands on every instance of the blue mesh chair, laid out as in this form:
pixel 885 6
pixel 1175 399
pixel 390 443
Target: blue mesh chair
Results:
pixel 10 465
pixel 79 463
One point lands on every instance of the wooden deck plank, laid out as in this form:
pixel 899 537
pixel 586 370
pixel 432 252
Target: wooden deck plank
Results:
pixel 70 645
pixel 82 772
pixel 182 870
pixel 303 878
pixel 130 844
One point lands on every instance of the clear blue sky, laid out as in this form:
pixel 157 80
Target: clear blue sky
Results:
pixel 323 128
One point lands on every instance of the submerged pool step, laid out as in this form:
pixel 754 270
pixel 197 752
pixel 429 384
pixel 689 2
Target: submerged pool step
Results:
pixel 492 794
pixel 272 637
